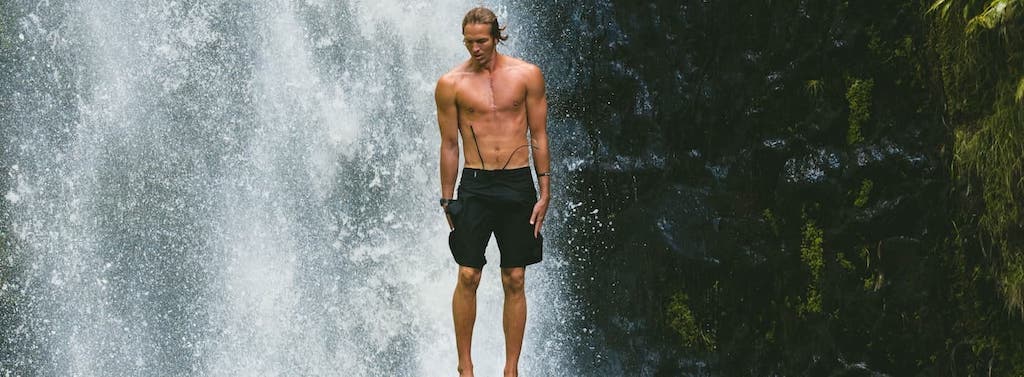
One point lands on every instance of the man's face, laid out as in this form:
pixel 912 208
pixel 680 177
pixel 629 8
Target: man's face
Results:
pixel 479 42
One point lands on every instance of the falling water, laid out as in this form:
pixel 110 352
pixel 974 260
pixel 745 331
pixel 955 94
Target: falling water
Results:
pixel 236 188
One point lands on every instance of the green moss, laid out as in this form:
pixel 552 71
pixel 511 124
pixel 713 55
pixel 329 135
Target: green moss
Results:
pixel 875 42
pixel 1011 281
pixel 1019 95
pixel 811 251
pixel 967 63
pixel 812 254
pixel 869 283
pixel 864 194
pixel 906 49
pixel 990 161
pixel 843 262
pixel 996 13
pixel 979 55
pixel 858 96
pixel 682 320
pixel 770 219
pixel 940 7
pixel 814 87
pixel 812 304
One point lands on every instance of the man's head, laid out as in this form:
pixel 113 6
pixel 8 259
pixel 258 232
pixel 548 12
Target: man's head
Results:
pixel 484 16
pixel 480 32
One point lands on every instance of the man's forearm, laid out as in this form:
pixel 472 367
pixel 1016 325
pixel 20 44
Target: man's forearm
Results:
pixel 449 170
pixel 542 163
pixel 545 187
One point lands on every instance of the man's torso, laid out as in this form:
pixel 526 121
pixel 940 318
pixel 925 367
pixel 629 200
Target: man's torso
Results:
pixel 492 115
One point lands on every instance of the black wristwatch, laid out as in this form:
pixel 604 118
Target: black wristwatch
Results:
pixel 444 202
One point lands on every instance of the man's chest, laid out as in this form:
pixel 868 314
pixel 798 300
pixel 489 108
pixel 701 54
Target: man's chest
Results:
pixel 483 93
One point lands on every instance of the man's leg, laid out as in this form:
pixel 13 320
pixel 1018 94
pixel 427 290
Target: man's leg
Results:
pixel 464 313
pixel 514 319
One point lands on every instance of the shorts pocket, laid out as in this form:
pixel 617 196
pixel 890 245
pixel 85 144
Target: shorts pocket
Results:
pixel 453 211
pixel 454 208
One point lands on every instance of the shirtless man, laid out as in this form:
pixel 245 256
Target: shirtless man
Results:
pixel 492 100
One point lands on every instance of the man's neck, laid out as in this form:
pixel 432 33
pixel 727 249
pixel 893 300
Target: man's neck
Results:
pixel 491 64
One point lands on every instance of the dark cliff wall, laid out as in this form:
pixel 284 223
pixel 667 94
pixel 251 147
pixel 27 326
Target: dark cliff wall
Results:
pixel 765 187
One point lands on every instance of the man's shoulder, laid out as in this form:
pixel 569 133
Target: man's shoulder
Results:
pixel 459 70
pixel 525 71
pixel 452 77
pixel 521 65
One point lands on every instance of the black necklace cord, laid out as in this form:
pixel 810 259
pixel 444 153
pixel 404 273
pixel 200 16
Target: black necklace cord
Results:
pixel 481 156
pixel 513 154
pixel 478 154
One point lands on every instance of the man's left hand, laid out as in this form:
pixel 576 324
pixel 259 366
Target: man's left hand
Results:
pixel 537 219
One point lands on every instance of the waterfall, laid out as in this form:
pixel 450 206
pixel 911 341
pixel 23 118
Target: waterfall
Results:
pixel 233 188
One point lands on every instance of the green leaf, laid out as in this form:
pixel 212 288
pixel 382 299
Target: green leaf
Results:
pixel 1020 90
pixel 996 13
pixel 942 6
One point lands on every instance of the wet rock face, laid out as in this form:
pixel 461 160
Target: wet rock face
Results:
pixel 670 219
pixel 714 135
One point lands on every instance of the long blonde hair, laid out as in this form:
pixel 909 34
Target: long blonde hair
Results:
pixel 481 15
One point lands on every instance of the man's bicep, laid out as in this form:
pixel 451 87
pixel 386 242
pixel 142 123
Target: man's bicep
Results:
pixel 535 84
pixel 448 121
pixel 444 95
pixel 447 114
pixel 537 104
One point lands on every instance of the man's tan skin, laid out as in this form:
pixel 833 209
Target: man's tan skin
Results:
pixel 500 97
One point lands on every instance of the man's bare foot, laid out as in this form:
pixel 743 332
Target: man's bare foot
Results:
pixel 511 373
pixel 465 372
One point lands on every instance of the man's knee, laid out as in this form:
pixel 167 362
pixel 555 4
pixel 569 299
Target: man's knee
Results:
pixel 469 277
pixel 513 279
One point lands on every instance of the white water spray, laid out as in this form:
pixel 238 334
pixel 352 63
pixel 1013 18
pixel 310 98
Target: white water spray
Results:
pixel 229 188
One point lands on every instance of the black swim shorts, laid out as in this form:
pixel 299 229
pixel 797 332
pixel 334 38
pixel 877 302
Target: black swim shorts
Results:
pixel 499 202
